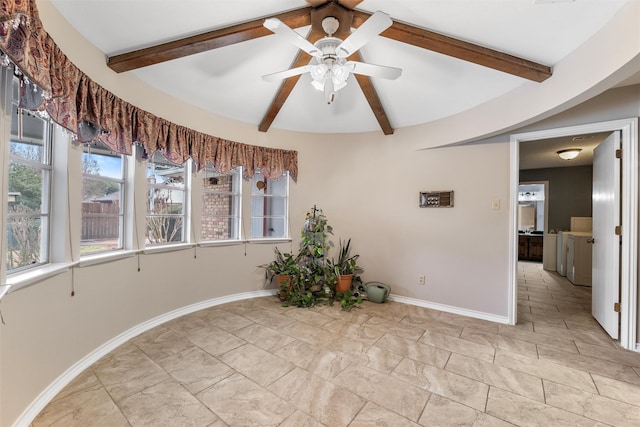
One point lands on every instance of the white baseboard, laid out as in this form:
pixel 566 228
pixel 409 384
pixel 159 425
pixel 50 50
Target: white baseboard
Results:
pixel 451 309
pixel 27 417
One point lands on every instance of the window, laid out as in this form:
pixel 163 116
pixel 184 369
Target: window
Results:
pixel 166 201
pixel 29 184
pixel 221 197
pixel 269 207
pixel 103 173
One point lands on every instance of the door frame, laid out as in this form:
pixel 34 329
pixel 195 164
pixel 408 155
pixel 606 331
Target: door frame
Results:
pixel 629 211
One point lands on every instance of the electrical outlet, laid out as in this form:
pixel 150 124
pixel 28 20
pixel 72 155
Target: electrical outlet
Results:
pixel 421 279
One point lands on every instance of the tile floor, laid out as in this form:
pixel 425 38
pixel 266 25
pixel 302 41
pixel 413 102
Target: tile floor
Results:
pixel 255 363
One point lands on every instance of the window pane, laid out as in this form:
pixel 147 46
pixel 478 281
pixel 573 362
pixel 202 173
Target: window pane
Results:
pixel 102 163
pixel 101 225
pixel 268 206
pixel 25 239
pixel 28 151
pixel 219 228
pixel 161 171
pixel 220 217
pixel 164 201
pixel 26 184
pixel 218 205
pixel 164 229
pixel 261 185
pixel 32 128
pixel 268 227
pixel 166 198
pixel 28 187
pixel 219 184
pixel 102 211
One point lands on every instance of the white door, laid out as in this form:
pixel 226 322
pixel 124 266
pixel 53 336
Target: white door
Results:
pixel 606 244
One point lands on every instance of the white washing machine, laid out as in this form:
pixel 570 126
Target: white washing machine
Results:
pixel 562 248
pixel 579 258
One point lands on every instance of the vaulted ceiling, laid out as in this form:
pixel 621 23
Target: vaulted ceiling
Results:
pixel 455 55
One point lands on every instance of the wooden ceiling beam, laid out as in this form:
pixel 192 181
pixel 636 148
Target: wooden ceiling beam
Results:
pixel 287 85
pixel 373 99
pixel 203 42
pixel 460 49
pixel 349 4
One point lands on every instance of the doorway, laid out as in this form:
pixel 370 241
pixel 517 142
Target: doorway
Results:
pixel 629 212
pixel 532 221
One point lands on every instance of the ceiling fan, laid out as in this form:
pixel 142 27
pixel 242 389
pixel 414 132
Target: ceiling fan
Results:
pixel 329 67
pixel 347 17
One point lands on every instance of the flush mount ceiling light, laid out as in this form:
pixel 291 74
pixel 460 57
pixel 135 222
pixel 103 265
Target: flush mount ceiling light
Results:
pixel 569 153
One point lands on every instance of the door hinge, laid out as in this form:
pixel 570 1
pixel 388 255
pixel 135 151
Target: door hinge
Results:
pixel 616 307
pixel 618 230
pixel 618 153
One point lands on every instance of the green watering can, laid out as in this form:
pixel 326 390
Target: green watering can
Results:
pixel 377 291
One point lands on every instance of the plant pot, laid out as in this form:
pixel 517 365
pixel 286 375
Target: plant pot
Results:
pixel 344 283
pixel 284 282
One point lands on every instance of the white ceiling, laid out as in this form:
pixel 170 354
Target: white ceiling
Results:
pixel 227 81
pixel 542 153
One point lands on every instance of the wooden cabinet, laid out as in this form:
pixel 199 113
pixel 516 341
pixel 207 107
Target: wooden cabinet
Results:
pixel 530 247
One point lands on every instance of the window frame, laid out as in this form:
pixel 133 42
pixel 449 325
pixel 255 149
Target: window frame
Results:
pixel 186 198
pixel 285 197
pixel 236 195
pixel 45 168
pixel 121 181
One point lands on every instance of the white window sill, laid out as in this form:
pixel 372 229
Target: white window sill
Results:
pixel 270 241
pixel 213 243
pixel 27 278
pixel 167 248
pixel 105 257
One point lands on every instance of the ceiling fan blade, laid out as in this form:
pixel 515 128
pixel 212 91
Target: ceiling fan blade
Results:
pixel 377 23
pixel 281 75
pixel 373 70
pixel 281 29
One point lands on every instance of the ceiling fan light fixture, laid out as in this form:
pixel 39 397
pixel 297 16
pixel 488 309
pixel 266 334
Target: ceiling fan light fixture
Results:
pixel 318 73
pixel 569 153
pixel 329 79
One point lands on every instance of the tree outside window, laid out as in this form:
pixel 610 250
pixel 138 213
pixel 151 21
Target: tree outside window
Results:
pixel 166 196
pixel 28 188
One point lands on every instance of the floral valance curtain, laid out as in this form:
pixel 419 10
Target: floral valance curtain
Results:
pixel 72 100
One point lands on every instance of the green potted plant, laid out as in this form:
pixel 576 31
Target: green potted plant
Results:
pixel 345 267
pixel 348 300
pixel 314 248
pixel 315 233
pixel 283 268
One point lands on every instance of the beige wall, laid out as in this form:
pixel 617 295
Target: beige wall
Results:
pixel 368 186
pixel 369 191
pixel 47 331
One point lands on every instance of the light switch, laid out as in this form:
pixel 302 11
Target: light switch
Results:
pixel 495 204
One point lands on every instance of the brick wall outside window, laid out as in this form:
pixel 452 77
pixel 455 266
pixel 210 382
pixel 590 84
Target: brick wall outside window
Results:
pixel 217 204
